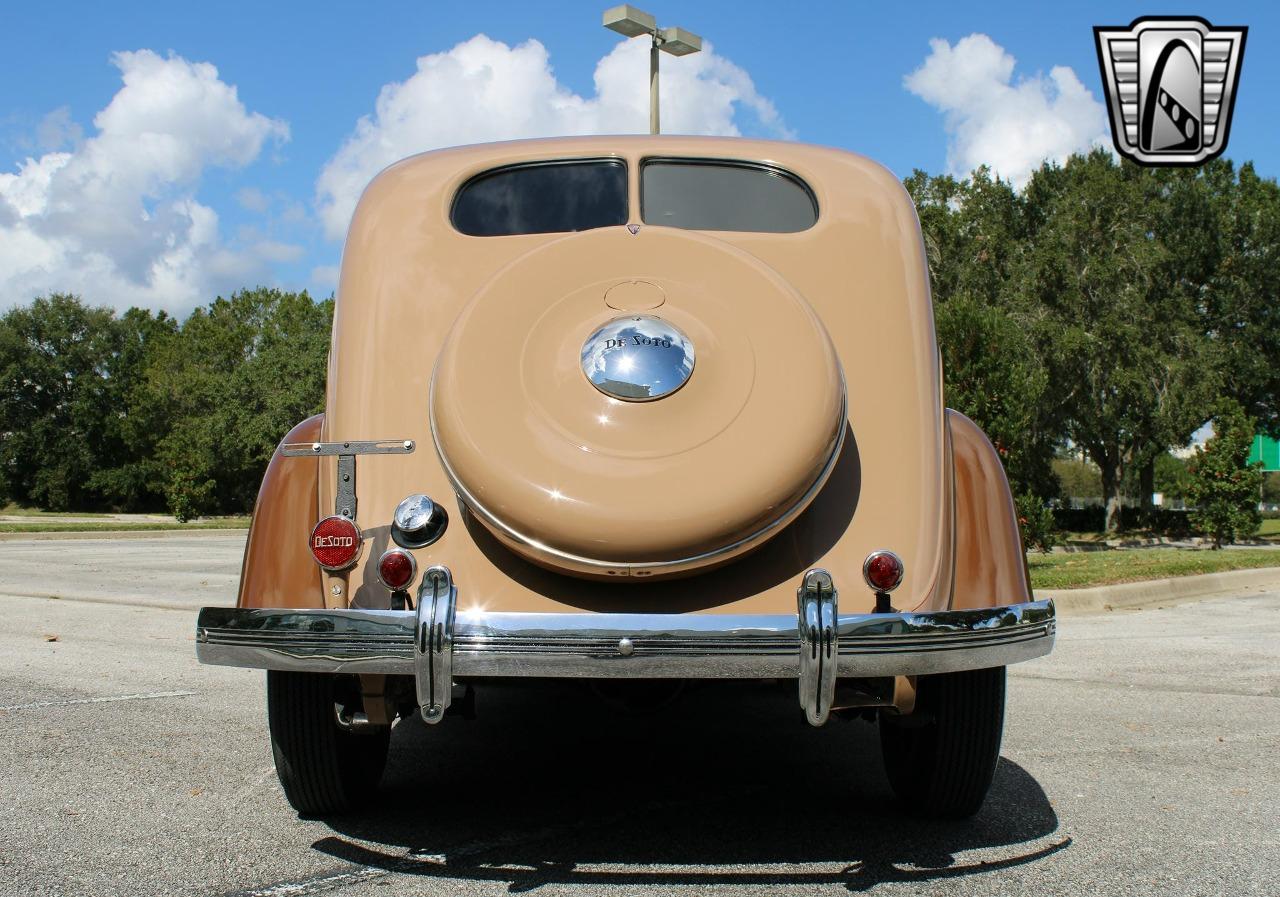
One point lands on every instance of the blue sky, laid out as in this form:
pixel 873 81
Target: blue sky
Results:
pixel 142 179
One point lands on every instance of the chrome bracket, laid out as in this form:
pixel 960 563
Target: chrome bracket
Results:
pixel 433 642
pixel 816 601
pixel 345 494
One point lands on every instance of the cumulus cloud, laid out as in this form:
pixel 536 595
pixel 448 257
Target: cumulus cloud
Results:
pixel 114 217
pixel 991 119
pixel 483 90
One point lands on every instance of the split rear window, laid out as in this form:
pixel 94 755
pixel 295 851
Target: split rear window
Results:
pixel 564 196
pixel 713 194
pixel 543 198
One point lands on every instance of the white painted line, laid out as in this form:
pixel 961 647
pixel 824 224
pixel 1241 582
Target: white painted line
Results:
pixel 315 885
pixel 145 697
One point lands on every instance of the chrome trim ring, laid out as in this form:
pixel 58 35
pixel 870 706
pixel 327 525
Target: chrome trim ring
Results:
pixel 413 568
pixel 866 569
pixel 359 546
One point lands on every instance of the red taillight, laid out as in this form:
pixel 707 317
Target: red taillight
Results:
pixel 335 543
pixel 396 569
pixel 882 570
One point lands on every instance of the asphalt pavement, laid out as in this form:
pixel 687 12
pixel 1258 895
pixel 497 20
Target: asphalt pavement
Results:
pixel 1139 758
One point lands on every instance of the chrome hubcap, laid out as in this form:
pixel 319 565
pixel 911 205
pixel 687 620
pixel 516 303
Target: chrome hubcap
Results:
pixel 638 358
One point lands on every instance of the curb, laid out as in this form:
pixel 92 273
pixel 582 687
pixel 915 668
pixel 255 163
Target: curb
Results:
pixel 1161 592
pixel 113 534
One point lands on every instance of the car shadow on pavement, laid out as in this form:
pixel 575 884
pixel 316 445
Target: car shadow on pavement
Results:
pixel 725 784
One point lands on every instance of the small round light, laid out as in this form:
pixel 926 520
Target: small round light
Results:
pixel 396 569
pixel 418 521
pixel 335 543
pixel 882 570
pixel 415 513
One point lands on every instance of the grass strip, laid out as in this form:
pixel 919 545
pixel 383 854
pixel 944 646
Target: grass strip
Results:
pixel 1082 569
pixel 50 526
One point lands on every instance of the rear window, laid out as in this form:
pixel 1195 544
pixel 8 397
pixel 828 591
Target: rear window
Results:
pixel 717 195
pixel 543 198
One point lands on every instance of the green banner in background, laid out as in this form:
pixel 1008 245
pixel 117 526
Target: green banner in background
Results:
pixel 1267 451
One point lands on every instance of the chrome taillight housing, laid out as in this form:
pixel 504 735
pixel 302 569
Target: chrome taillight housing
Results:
pixel 397 569
pixel 418 521
pixel 882 570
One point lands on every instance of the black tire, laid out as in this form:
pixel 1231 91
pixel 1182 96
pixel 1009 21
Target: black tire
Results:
pixel 940 759
pixel 323 769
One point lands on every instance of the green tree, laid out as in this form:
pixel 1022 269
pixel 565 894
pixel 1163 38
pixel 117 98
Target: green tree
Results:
pixel 231 383
pixel 131 477
pixel 1128 364
pixel 1222 486
pixel 1271 487
pixel 1240 300
pixel 993 376
pixel 1078 479
pixel 57 400
pixel 1171 477
pixel 973 232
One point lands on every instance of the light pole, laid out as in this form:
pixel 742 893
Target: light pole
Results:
pixel 632 22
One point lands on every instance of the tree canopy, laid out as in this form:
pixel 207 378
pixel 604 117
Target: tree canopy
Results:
pixel 1119 302
pixel 136 412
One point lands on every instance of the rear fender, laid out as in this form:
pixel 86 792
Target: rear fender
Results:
pixel 278 570
pixel 991 567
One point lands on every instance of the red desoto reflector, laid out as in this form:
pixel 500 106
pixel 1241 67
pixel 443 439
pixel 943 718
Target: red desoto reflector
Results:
pixel 335 543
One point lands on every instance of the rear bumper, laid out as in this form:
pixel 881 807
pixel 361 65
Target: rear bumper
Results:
pixel 437 644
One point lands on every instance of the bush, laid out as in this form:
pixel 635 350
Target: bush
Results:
pixel 1224 487
pixel 1036 523
pixel 1165 522
pixel 1175 524
pixel 1079 520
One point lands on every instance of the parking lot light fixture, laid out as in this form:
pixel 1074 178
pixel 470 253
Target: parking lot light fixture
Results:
pixel 631 22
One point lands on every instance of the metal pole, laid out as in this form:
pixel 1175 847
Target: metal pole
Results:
pixel 653 87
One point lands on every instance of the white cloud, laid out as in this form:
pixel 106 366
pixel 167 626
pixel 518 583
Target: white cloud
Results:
pixel 253 199
pixel 992 120
pixel 115 218
pixel 483 90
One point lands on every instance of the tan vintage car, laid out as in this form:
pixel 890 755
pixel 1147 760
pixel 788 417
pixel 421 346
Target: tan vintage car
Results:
pixel 657 409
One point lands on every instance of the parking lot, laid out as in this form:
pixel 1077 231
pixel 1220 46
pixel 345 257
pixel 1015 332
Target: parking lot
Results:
pixel 1140 757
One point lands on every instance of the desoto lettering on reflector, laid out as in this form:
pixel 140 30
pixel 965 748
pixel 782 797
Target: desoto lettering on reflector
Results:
pixel 335 543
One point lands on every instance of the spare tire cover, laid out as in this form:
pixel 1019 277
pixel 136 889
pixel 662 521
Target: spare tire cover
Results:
pixel 583 482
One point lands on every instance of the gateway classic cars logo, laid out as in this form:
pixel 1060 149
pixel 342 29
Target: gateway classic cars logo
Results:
pixel 1171 85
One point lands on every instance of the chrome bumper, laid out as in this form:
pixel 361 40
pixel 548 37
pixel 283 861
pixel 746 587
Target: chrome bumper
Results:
pixel 437 643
